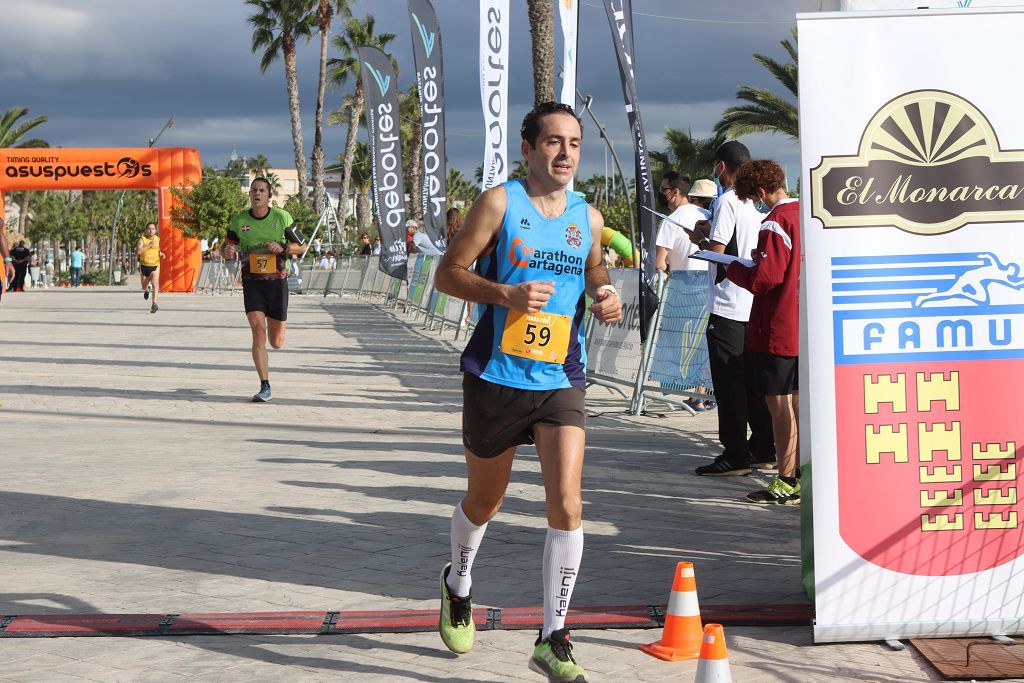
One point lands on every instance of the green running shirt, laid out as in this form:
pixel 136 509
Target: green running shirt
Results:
pixel 252 234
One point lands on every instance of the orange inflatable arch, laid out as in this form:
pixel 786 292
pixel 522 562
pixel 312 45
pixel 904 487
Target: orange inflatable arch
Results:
pixel 118 169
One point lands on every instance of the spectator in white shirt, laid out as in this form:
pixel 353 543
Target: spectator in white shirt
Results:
pixel 420 239
pixel 673 244
pixel 733 230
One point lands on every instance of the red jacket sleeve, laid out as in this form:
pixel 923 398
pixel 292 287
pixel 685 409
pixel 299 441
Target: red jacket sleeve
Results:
pixel 774 249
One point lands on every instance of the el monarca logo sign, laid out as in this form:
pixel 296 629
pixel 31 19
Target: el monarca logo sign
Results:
pixel 929 163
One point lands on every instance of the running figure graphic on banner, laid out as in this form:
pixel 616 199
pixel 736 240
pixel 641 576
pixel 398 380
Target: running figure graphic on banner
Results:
pixel 974 284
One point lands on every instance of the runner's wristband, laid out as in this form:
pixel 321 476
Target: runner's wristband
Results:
pixel 611 289
pixel 8 259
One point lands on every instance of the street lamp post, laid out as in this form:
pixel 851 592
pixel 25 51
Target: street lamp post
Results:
pixel 120 204
pixel 587 101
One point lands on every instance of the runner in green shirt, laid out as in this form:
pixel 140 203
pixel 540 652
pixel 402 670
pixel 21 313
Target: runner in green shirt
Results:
pixel 258 237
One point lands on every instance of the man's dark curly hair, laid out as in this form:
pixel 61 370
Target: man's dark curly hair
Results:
pixel 532 121
pixel 758 173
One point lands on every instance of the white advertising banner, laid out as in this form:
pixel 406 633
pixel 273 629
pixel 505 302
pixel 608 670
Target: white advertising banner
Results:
pixel 569 16
pixel 494 89
pixel 614 350
pixel 913 169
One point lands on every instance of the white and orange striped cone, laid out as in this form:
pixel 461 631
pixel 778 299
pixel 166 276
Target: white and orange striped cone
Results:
pixel 713 666
pixel 681 636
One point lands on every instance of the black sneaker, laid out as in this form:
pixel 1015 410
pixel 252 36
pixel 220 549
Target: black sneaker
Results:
pixel 764 465
pixel 145 294
pixel 722 468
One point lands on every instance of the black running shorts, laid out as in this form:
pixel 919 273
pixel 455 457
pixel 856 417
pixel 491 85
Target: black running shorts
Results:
pixel 148 270
pixel 496 417
pixel 266 296
pixel 775 375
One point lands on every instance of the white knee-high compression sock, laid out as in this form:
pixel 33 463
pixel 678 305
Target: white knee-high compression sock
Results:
pixel 466 538
pixel 563 551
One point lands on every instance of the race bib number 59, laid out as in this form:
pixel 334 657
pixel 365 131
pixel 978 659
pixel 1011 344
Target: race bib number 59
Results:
pixel 537 336
pixel 262 264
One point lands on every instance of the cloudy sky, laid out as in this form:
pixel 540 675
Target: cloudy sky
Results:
pixel 109 73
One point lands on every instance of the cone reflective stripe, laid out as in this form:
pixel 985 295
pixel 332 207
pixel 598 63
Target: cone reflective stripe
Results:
pixel 681 637
pixel 713 666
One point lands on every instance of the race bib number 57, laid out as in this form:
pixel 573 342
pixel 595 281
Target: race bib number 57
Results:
pixel 537 336
pixel 262 264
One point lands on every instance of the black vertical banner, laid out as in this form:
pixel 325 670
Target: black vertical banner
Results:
pixel 426 47
pixel 381 89
pixel 620 18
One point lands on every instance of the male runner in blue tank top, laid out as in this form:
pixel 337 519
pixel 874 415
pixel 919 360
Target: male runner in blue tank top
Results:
pixel 538 249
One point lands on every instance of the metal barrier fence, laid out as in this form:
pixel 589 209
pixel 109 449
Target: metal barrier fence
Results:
pixel 671 367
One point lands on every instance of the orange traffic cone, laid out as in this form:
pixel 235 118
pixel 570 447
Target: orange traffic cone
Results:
pixel 681 637
pixel 713 666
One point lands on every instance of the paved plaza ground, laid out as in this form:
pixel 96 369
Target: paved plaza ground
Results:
pixel 138 478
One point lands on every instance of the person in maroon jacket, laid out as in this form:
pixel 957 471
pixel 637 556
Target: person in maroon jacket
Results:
pixel 773 335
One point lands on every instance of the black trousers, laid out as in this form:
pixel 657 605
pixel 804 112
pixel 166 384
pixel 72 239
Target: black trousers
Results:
pixel 739 404
pixel 18 282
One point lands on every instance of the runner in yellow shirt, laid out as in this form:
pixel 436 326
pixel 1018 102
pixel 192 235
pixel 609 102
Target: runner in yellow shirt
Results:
pixel 149 253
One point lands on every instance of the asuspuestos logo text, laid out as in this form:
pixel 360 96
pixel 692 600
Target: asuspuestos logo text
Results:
pixel 126 167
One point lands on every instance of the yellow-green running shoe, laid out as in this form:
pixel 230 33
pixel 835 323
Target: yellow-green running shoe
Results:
pixel 777 492
pixel 553 658
pixel 456 622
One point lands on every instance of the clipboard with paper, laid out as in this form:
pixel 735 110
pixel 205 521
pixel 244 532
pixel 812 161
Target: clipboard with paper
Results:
pixel 688 231
pixel 721 259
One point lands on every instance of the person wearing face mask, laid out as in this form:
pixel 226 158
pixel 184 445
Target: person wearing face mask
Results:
pixel 733 230
pixel 703 193
pixel 773 336
pixel 673 244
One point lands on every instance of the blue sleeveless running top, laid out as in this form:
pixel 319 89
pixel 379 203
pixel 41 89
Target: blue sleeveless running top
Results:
pixel 532 247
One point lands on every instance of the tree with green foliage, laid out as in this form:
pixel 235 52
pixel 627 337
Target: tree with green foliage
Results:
pixel 357 32
pixel 205 209
pixel 411 129
pixel 362 179
pixel 324 16
pixel 459 188
pixel 768 112
pixel 12 135
pixel 277 24
pixel 303 217
pixel 687 154
pixel 258 165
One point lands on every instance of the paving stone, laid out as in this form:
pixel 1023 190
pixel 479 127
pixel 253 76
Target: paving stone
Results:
pixel 139 478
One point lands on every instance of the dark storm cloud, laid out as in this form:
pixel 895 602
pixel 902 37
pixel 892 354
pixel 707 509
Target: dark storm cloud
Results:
pixel 110 72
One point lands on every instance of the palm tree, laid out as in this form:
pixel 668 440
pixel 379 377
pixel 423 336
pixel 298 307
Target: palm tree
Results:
pixel 259 165
pixel 362 177
pixel 324 16
pixel 11 134
pixel 542 36
pixel 276 26
pixel 689 155
pixel 357 32
pixel 459 189
pixel 412 137
pixel 768 112
pixel 273 181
